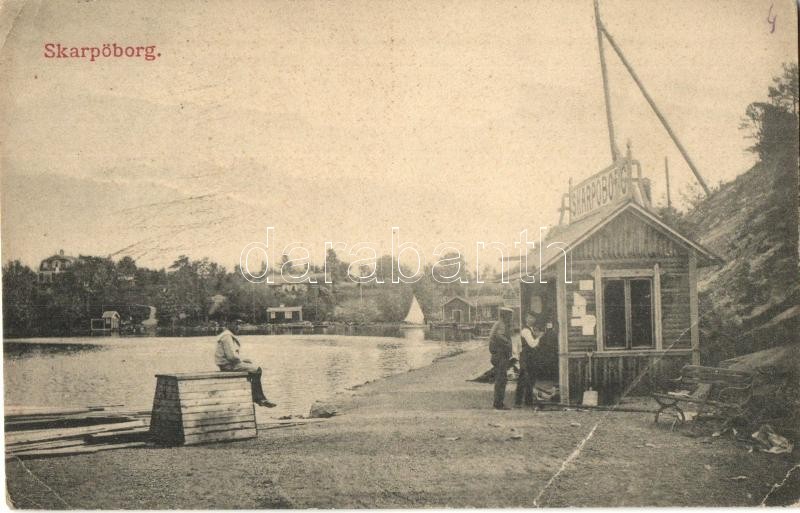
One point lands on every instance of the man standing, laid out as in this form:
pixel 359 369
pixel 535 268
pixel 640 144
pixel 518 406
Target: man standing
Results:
pixel 529 336
pixel 500 349
pixel 228 359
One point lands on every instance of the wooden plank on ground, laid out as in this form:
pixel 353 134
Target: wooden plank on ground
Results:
pixel 52 444
pixel 16 410
pixel 66 451
pixel 109 435
pixel 64 422
pixel 54 434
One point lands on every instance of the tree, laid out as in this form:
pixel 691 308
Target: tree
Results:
pixel 19 290
pixel 393 301
pixel 784 94
pixel 126 266
pixel 337 269
pixel 773 125
pixel 166 307
pixel 451 266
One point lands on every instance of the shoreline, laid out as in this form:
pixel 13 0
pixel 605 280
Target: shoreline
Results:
pixel 422 438
pixel 192 331
pixel 89 340
pixel 267 417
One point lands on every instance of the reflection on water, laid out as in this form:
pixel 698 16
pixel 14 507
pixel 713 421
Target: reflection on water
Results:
pixel 297 369
pixel 416 334
pixel 11 349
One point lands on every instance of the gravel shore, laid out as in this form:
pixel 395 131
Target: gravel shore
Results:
pixel 427 438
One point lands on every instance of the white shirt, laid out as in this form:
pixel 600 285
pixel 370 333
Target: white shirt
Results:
pixel 516 347
pixel 527 334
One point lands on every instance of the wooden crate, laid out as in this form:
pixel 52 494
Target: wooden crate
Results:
pixel 206 407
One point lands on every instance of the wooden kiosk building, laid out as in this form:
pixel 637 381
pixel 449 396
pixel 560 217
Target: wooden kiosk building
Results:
pixel 617 285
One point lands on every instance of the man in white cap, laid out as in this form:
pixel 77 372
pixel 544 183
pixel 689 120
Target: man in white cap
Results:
pixel 500 349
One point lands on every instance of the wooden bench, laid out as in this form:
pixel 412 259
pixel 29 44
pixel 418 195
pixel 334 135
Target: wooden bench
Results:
pixel 718 393
pixel 207 407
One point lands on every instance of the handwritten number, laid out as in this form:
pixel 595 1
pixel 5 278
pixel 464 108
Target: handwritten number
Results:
pixel 771 19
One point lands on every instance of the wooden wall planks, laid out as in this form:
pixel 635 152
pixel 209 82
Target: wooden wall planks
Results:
pixel 198 408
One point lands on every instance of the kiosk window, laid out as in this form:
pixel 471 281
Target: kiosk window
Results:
pixel 628 313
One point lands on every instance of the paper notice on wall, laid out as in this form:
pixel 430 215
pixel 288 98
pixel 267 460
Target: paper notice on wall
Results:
pixel 579 318
pixel 587 328
pixel 586 323
pixel 578 305
pixel 586 284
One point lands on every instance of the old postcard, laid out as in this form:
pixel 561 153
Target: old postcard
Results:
pixel 414 254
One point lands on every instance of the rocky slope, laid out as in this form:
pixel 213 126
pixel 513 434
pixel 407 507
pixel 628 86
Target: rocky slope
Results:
pixel 751 301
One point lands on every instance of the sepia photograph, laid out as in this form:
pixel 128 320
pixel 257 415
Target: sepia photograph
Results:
pixel 351 254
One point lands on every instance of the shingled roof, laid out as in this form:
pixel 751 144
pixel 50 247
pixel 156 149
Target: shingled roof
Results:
pixel 568 237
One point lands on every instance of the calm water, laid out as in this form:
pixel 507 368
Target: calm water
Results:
pixel 298 369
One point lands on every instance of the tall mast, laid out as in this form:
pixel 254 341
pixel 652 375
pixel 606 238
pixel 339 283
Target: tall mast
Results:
pixel 666 173
pixel 651 102
pixel 612 140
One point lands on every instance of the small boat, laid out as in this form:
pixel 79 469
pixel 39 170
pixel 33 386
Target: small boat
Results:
pixel 415 318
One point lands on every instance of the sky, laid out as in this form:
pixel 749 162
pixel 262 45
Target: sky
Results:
pixel 335 121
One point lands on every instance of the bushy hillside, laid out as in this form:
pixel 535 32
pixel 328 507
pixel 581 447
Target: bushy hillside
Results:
pixel 751 301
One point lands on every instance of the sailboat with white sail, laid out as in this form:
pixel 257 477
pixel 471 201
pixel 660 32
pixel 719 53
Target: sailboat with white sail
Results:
pixel 415 317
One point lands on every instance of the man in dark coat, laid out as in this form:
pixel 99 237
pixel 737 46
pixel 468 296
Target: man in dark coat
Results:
pixel 500 349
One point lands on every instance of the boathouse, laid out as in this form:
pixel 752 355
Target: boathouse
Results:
pixel 458 309
pixel 111 320
pixel 618 286
pixel 284 314
pixel 480 309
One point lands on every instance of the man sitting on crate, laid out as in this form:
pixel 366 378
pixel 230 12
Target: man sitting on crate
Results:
pixel 228 359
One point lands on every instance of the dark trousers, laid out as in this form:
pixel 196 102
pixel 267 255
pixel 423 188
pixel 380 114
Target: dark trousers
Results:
pixel 500 380
pixel 253 376
pixel 257 391
pixel 524 391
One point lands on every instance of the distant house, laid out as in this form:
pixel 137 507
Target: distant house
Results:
pixel 284 314
pixel 459 310
pixel 107 323
pixel 111 320
pixel 479 309
pixel 291 285
pixel 488 308
pixel 215 303
pixel 54 266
